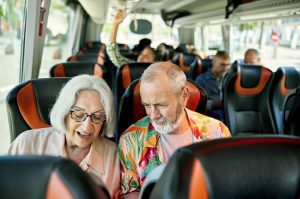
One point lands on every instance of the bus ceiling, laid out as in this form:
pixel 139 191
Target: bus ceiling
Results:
pixel 238 12
pixel 194 12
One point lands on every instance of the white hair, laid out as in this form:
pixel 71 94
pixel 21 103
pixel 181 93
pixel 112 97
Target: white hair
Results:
pixel 168 69
pixel 67 97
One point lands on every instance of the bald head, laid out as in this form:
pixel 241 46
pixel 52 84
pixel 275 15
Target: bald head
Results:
pixel 165 71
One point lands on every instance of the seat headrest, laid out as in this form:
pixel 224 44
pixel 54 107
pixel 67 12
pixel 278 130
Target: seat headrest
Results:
pixel 237 167
pixel 38 177
pixel 289 79
pixel 251 79
pixel 71 69
pixel 130 72
pixel 30 102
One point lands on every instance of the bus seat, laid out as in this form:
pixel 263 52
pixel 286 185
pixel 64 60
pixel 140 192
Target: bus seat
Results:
pixel 131 109
pixel 184 61
pixel 123 46
pixel 28 104
pixel 291 112
pixel 71 69
pixel 37 177
pixel 129 54
pixel 285 80
pixel 125 75
pixel 95 50
pixel 91 57
pixel 245 100
pixel 200 66
pixel 167 55
pixel 93 44
pixel 236 167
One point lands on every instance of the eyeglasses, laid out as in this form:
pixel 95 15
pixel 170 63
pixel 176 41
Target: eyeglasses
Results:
pixel 80 116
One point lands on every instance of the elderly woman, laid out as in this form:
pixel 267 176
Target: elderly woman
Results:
pixel 81 118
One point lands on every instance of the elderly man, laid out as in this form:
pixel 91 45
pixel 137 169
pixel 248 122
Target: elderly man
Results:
pixel 168 126
pixel 252 57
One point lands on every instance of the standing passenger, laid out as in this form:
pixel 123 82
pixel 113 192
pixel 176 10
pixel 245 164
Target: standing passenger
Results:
pixel 146 56
pixel 211 81
pixel 82 115
pixel 168 126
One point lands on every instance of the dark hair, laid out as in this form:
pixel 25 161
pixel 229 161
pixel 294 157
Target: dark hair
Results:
pixel 143 43
pixel 222 54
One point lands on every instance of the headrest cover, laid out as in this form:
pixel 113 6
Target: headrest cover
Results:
pixel 27 103
pixel 251 79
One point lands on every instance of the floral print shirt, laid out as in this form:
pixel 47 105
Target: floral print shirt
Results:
pixel 115 56
pixel 140 150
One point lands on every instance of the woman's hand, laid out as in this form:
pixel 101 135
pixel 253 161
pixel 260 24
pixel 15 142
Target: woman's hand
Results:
pixel 119 16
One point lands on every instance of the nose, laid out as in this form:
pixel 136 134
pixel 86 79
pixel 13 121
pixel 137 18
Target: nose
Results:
pixel 87 124
pixel 153 114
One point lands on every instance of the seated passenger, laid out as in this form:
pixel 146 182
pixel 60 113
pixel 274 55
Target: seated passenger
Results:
pixel 211 81
pixel 252 57
pixel 147 54
pixel 162 47
pixel 143 43
pixel 81 116
pixel 168 126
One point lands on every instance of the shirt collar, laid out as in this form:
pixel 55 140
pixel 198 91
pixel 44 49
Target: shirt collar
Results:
pixel 94 158
pixel 152 136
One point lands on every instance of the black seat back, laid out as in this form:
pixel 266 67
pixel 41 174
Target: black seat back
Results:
pixel 245 100
pixel 285 80
pixel 125 75
pixel 291 112
pixel 200 66
pixel 28 104
pixel 37 177
pixel 71 69
pixel 237 167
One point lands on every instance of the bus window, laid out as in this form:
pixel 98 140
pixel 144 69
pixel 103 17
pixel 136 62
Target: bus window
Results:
pixel 56 49
pixel 277 41
pixel 11 20
pixel 160 33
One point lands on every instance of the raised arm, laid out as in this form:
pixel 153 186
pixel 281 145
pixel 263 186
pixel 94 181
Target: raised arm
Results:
pixel 120 15
pixel 112 48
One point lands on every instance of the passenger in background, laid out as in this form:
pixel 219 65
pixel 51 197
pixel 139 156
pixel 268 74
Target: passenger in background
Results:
pixel 252 57
pixel 81 118
pixel 143 43
pixel 168 126
pixel 211 81
pixel 147 54
pixel 161 47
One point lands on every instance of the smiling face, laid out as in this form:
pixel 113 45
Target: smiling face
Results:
pixel 82 134
pixel 163 105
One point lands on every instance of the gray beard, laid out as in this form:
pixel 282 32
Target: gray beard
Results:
pixel 167 127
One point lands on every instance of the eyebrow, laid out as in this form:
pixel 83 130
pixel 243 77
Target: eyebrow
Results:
pixel 81 109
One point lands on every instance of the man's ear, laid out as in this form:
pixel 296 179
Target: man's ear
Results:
pixel 185 96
